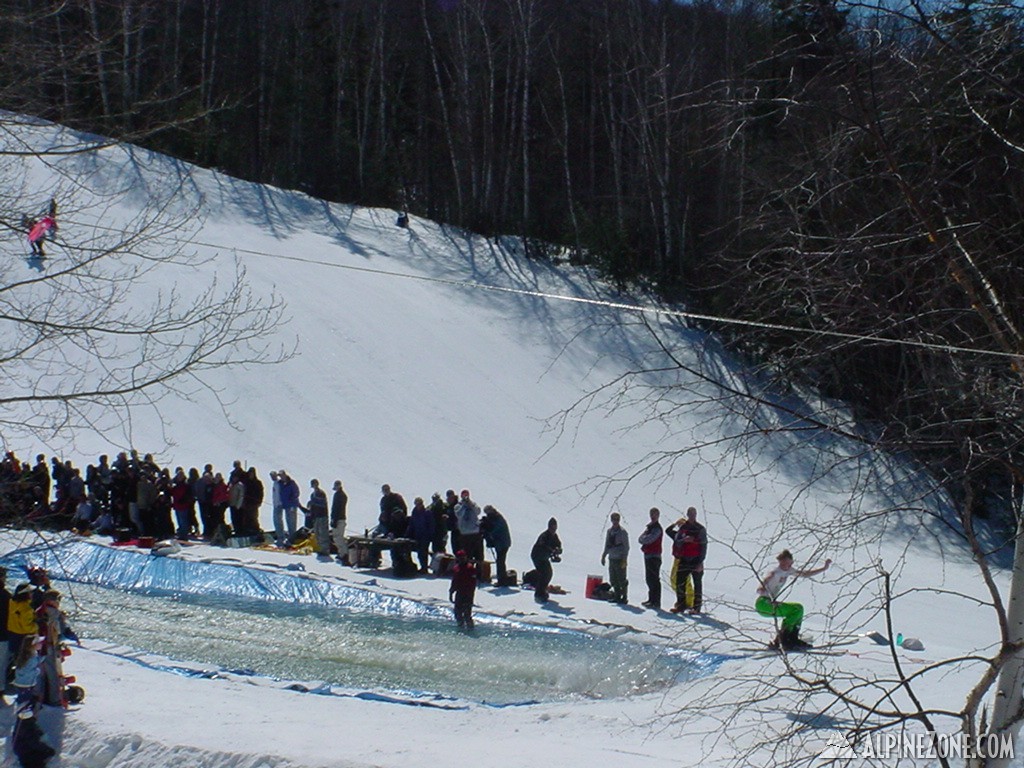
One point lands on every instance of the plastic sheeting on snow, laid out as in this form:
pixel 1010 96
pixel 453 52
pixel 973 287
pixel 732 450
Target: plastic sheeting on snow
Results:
pixel 88 563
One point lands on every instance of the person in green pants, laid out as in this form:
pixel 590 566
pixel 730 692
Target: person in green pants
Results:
pixel 792 614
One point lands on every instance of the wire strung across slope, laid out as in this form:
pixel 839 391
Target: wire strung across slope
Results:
pixel 639 308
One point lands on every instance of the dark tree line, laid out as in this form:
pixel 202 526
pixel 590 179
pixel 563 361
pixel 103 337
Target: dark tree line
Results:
pixel 885 203
pixel 823 165
pixel 581 122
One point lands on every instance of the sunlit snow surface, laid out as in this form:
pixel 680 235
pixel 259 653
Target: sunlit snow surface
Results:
pixel 287 625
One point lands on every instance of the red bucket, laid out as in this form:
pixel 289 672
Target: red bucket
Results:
pixel 592 583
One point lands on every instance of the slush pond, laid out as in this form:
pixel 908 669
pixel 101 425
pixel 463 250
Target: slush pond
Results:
pixel 498 663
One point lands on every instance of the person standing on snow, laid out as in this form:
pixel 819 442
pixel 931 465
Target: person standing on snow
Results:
pixel 5 604
pixel 451 501
pixel 220 495
pixel 54 628
pixel 440 512
pixel 792 614
pixel 201 489
pixel 277 509
pixel 253 500
pixel 463 589
pixel 236 501
pixel 421 529
pixel 393 513
pixel 650 545
pixel 546 550
pixel 339 521
pixel 182 502
pixel 689 548
pixel 21 618
pixel 467 519
pixel 499 538
pixel 317 510
pixel 616 551
pixel 290 502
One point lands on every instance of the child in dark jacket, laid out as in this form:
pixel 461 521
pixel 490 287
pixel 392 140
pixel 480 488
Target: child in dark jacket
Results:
pixel 463 589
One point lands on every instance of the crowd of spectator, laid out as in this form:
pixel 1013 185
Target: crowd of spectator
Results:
pixel 132 494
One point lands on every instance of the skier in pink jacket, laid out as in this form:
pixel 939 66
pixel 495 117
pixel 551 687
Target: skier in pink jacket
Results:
pixel 40 230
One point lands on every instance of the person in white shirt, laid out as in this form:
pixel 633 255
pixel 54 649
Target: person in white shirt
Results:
pixel 792 614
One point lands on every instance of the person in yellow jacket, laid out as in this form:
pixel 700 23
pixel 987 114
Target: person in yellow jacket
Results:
pixel 21 618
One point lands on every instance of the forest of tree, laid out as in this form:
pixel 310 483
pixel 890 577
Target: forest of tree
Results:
pixel 823 166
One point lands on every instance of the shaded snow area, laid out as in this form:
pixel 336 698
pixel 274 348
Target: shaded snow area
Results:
pixel 430 358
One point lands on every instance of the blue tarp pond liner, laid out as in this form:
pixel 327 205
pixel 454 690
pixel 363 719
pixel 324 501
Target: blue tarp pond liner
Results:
pixel 281 624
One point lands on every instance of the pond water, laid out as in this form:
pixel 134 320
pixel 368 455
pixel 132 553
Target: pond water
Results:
pixel 498 663
pixel 282 623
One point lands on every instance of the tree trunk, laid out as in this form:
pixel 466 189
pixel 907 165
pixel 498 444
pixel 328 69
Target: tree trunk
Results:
pixel 1009 699
pixel 101 65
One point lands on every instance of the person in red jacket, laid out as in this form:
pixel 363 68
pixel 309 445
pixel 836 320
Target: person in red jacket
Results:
pixel 182 502
pixel 650 545
pixel 689 548
pixel 463 589
pixel 219 498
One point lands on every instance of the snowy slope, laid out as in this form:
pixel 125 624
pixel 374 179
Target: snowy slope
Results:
pixel 410 369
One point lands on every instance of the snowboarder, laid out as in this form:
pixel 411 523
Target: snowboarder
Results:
pixel 616 550
pixel 463 589
pixel 650 545
pixel 689 548
pixel 792 614
pixel 546 550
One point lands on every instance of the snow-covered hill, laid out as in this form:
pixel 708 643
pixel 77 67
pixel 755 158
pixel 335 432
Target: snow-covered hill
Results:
pixel 430 358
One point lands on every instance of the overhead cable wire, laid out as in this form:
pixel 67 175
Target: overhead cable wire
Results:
pixel 624 306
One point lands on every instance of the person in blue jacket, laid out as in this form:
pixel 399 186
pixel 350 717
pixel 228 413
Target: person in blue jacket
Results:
pixel 421 528
pixel 289 497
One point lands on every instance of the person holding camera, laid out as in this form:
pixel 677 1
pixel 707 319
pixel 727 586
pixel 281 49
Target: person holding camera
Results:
pixel 547 550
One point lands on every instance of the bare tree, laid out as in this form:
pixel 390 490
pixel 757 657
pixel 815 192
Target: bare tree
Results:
pixel 120 313
pixel 879 263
